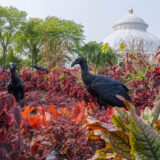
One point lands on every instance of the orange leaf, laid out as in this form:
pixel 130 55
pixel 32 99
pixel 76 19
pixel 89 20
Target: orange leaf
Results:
pixel 117 158
pixel 53 111
pixel 157 124
pixel 64 111
pixel 27 111
pixel 124 108
pixel 95 126
pixel 36 121
pixel 78 112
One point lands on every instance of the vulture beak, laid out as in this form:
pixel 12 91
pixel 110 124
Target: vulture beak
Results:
pixel 73 63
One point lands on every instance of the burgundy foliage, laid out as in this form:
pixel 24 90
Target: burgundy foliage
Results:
pixel 32 137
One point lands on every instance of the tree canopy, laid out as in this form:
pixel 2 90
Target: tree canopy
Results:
pixel 51 41
pixel 11 20
pixel 30 38
pixel 62 38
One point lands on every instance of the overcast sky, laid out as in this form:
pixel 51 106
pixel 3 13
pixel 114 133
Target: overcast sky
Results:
pixel 97 16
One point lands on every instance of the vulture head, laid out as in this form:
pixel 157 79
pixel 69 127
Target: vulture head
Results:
pixel 80 60
pixel 12 66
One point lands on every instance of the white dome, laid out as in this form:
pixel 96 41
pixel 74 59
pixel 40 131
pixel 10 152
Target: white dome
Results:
pixel 130 18
pixel 132 31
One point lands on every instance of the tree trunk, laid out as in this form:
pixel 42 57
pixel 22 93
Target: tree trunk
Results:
pixel 4 56
pixel 32 58
pixel 35 57
pixel 12 55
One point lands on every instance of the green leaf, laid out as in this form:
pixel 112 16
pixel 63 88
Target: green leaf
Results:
pixel 120 143
pixel 102 153
pixel 147 115
pixel 122 47
pixel 122 114
pixel 146 144
pixel 105 48
pixel 119 123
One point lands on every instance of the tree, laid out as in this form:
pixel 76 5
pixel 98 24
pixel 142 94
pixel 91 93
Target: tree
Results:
pixel 30 38
pixel 62 38
pixel 92 51
pixel 10 21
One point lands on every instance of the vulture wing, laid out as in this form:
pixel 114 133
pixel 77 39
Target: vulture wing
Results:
pixel 107 91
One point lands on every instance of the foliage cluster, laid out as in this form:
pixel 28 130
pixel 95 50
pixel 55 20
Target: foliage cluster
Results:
pixel 131 136
pixel 42 126
pixel 49 41
pixel 98 55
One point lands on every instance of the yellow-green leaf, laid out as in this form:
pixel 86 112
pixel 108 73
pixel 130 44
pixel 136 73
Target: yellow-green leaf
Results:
pixel 105 48
pixel 119 123
pixel 91 135
pixel 122 114
pixel 120 142
pixel 122 46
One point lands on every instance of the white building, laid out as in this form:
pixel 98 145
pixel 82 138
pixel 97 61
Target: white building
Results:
pixel 132 31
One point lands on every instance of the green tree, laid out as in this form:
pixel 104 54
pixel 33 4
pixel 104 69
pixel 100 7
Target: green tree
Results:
pixel 11 57
pixel 62 39
pixel 94 54
pixel 10 21
pixel 30 38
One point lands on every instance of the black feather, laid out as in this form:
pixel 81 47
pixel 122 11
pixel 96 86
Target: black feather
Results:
pixel 15 85
pixel 101 87
pixel 39 68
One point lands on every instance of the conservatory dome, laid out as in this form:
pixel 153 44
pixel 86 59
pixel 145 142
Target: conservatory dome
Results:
pixel 131 30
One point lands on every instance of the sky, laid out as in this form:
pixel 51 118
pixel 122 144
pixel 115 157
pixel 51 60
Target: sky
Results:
pixel 97 16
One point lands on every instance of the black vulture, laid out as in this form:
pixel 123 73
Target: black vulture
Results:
pixel 101 87
pixel 15 85
pixel 4 68
pixel 39 68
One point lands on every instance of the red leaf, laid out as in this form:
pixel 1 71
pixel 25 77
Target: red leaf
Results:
pixel 2 107
pixel 3 153
pixel 10 99
pixel 34 148
pixel 2 135
pixel 14 156
pixel 7 118
pixel 17 117
pixel 109 113
pixel 16 145
pixel 59 136
pixel 71 153
pixel 6 101
pixel 22 157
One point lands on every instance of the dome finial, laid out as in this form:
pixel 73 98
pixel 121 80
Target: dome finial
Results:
pixel 130 11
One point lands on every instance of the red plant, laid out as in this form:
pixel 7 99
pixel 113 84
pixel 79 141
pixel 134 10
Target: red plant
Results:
pixel 58 126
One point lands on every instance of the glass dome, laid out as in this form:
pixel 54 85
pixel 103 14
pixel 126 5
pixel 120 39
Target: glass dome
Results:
pixel 132 31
